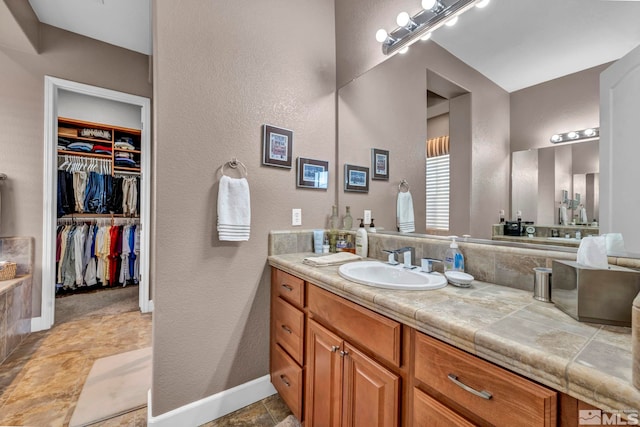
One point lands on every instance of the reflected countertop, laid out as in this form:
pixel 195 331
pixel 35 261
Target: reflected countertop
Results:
pixel 505 326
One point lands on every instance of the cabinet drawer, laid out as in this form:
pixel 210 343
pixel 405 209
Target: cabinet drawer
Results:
pixel 286 377
pixel 514 400
pixel 428 412
pixel 289 328
pixel 288 287
pixel 357 324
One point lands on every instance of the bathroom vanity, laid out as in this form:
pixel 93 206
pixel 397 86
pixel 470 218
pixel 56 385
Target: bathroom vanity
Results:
pixel 343 353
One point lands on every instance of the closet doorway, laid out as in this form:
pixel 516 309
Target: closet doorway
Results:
pixel 66 98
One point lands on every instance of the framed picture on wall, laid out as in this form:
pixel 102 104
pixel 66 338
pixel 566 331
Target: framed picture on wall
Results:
pixel 380 164
pixel 312 173
pixel 277 147
pixel 356 178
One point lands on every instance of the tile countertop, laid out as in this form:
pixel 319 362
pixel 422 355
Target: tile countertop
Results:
pixel 505 326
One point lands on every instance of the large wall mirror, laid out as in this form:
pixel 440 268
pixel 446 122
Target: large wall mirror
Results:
pixel 544 179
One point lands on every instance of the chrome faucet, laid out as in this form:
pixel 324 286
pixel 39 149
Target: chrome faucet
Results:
pixel 409 256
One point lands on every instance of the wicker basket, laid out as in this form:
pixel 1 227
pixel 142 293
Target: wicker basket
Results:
pixel 8 270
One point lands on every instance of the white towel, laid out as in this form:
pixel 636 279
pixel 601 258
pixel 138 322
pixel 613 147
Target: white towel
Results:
pixel 404 213
pixel 333 259
pixel 234 209
pixel 583 216
pixel 563 215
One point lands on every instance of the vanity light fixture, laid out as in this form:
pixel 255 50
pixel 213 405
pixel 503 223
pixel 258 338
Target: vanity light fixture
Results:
pixel 576 135
pixel 434 14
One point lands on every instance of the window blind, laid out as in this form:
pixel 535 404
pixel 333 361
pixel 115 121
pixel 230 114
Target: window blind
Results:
pixel 438 192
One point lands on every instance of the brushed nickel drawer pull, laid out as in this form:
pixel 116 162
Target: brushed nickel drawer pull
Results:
pixel 287 287
pixel 284 380
pixel 483 394
pixel 286 329
pixel 344 353
pixel 335 348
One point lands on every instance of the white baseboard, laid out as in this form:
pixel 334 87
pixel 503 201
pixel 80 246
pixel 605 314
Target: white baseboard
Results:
pixel 38 324
pixel 212 407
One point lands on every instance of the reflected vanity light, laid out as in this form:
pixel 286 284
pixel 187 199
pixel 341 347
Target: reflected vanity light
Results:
pixel 434 14
pixel 575 135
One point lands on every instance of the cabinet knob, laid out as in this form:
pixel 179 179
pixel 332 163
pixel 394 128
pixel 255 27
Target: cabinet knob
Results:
pixel 344 353
pixel 286 329
pixel 335 348
pixel 483 394
pixel 284 380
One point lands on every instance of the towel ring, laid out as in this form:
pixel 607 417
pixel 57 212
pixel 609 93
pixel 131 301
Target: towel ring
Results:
pixel 403 185
pixel 233 164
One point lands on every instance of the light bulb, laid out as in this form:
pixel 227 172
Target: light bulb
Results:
pixel 428 4
pixel 572 135
pixel 381 35
pixel 482 3
pixel 589 132
pixel 426 37
pixel 404 50
pixel 451 22
pixel 556 138
pixel 403 19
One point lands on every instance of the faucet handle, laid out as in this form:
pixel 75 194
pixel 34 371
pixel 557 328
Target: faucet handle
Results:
pixel 427 264
pixel 392 256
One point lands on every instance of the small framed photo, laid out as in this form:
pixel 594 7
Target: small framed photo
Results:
pixel 380 164
pixel 312 173
pixel 356 178
pixel 277 147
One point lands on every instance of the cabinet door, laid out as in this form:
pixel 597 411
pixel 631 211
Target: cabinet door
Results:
pixel 370 392
pixel 324 377
pixel 428 412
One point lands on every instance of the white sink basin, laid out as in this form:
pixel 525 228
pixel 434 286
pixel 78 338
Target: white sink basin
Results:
pixel 381 275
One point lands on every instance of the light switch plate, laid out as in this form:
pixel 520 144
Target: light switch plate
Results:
pixel 367 217
pixel 296 216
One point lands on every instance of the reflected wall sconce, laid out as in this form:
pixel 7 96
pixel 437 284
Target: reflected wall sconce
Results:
pixel 434 14
pixel 575 135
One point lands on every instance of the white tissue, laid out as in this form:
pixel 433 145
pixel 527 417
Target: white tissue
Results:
pixel 593 252
pixel 615 243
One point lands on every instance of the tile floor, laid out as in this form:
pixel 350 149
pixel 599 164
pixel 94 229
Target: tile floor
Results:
pixel 40 382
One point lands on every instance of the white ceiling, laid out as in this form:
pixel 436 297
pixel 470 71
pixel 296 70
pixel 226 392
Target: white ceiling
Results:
pixel 515 43
pixel 124 23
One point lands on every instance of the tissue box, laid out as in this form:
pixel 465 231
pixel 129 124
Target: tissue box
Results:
pixel 594 295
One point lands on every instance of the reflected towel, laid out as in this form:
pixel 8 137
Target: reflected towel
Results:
pixel 563 215
pixel 234 209
pixel 404 213
pixel 333 259
pixel 583 216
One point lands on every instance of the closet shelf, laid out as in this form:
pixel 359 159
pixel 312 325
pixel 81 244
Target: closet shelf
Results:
pixel 126 151
pixel 122 168
pixel 81 154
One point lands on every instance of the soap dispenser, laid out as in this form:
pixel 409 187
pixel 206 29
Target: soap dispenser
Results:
pixel 372 227
pixel 362 244
pixel 453 258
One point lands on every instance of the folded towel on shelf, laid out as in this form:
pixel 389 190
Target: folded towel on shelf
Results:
pixel 404 213
pixel 333 259
pixel 234 209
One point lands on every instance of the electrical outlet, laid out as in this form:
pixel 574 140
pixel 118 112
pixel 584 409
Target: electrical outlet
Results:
pixel 296 216
pixel 367 217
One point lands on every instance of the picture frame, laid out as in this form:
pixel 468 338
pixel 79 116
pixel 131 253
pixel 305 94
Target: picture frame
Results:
pixel 277 146
pixel 380 164
pixel 312 173
pixel 356 178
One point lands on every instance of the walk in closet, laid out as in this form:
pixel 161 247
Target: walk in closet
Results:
pixel 98 205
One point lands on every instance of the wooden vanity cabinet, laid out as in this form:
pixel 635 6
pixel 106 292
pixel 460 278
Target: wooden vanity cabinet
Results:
pixel 345 386
pixel 288 338
pixel 470 391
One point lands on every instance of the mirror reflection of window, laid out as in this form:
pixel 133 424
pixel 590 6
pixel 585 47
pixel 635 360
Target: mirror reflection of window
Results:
pixel 437 164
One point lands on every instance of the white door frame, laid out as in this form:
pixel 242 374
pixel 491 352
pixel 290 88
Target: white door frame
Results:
pixel 51 87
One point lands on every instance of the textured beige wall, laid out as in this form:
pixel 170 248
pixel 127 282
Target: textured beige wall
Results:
pixel 568 103
pixel 64 55
pixel 221 70
pixel 386 108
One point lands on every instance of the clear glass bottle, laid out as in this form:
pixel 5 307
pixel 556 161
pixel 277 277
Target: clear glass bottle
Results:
pixel 334 221
pixel 347 221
